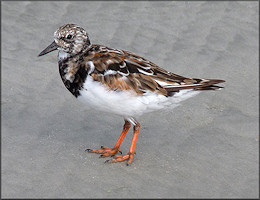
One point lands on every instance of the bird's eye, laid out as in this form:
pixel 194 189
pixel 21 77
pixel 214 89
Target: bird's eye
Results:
pixel 69 36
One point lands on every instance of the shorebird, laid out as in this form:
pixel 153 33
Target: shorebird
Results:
pixel 119 82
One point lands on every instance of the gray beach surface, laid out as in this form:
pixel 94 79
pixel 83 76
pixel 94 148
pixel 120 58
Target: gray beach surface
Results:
pixel 208 147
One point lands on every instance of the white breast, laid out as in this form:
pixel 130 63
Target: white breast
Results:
pixel 127 103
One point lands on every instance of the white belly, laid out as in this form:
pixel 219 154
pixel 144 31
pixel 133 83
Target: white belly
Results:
pixel 127 103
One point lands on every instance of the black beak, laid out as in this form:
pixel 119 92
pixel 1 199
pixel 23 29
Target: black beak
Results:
pixel 53 46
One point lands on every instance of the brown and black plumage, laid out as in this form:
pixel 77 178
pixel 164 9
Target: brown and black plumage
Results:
pixel 119 82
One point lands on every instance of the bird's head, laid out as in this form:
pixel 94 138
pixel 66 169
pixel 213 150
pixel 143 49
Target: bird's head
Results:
pixel 70 39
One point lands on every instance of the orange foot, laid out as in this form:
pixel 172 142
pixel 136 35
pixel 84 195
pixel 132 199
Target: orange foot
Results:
pixel 120 158
pixel 105 151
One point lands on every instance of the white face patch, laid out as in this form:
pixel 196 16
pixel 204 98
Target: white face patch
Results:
pixel 62 55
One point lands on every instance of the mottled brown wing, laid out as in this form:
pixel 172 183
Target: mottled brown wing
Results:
pixel 123 70
pixel 169 81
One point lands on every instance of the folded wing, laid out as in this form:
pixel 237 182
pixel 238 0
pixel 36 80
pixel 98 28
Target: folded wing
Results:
pixel 123 70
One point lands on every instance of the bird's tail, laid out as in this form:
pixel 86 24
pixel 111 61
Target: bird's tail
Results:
pixel 199 84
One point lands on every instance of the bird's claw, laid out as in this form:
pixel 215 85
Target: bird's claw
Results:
pixel 105 151
pixel 119 158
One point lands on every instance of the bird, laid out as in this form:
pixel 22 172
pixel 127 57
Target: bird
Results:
pixel 119 82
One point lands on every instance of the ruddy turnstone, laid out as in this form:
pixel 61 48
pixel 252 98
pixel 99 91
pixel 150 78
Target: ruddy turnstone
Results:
pixel 119 82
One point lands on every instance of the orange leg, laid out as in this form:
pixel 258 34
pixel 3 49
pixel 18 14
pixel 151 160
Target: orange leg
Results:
pixel 106 151
pixel 130 155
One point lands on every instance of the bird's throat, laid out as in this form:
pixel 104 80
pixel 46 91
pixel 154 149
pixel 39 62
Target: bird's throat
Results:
pixel 62 55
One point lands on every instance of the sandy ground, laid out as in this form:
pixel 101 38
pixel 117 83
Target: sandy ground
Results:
pixel 205 148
